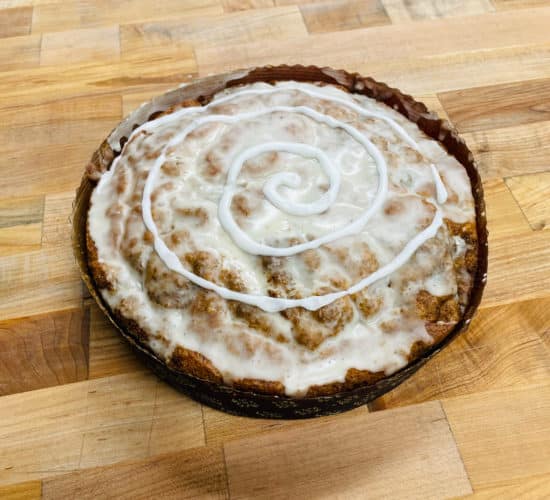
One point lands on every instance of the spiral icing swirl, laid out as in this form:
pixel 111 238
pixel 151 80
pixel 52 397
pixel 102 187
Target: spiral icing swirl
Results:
pixel 241 239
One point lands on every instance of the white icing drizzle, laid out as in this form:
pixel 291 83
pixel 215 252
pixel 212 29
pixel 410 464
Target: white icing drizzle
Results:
pixel 441 191
pixel 243 241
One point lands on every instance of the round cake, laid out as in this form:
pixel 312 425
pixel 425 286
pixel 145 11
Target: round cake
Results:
pixel 296 239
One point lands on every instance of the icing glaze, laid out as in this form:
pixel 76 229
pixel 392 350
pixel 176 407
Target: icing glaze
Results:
pixel 328 176
pixel 271 304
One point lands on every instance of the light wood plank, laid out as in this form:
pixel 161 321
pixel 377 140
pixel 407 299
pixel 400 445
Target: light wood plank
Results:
pixel 339 15
pixel 31 490
pixel 532 193
pixel 458 69
pixel 511 151
pixel 60 121
pixel 480 360
pixel 357 48
pixel 416 10
pixel 43 351
pixel 221 427
pixel 235 5
pixel 145 40
pixel 518 4
pixel 519 266
pixel 512 443
pixel 45 84
pixel 19 52
pixel 65 428
pixel 110 354
pixel 38 282
pixel 21 211
pixel 197 473
pixel 15 21
pixel 59 135
pixel 498 106
pixel 20 224
pixel 20 239
pixel 524 488
pixel 93 13
pixel 504 217
pixel 347 457
pixel 47 279
pixel 44 168
pixel 80 46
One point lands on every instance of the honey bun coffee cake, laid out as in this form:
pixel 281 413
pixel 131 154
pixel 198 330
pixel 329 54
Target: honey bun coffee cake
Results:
pixel 287 238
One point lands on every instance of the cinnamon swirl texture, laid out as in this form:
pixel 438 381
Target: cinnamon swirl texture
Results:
pixel 286 238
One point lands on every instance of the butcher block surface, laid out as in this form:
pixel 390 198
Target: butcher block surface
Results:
pixel 80 417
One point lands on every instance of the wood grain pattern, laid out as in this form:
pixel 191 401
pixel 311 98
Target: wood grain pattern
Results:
pixel 51 280
pixel 20 224
pixel 533 196
pixel 22 491
pixel 518 4
pixel 495 451
pixel 498 106
pixel 190 474
pixel 371 452
pixel 110 354
pixel 165 37
pixel 93 13
pixel 511 151
pixel 44 84
pixel 415 10
pixel 80 46
pixel 339 15
pixel 359 47
pixel 65 428
pixel 43 351
pixel 69 71
pixel 220 427
pixel 481 360
pixel 234 5
pixel 15 21
pixel 531 487
pixel 20 52
pixel 519 267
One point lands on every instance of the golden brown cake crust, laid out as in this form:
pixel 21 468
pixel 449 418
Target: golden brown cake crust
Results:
pixel 440 313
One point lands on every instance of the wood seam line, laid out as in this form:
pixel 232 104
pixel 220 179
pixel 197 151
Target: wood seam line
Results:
pixel 303 20
pixel 41 50
pixel 31 28
pixel 119 60
pixel 43 214
pixel 504 179
pixel 84 427
pixel 153 418
pixel 226 473
pixel 204 434
pixel 456 444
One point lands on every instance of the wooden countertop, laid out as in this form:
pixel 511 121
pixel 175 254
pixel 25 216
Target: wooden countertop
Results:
pixel 81 418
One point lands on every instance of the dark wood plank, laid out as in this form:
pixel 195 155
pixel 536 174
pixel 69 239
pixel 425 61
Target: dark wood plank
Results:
pixel 42 351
